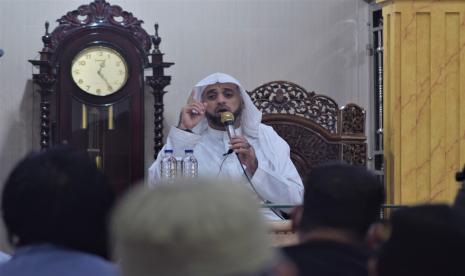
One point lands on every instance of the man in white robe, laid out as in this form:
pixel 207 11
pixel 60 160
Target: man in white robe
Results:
pixel 263 153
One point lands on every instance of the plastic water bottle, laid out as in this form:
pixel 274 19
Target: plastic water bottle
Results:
pixel 168 166
pixel 189 164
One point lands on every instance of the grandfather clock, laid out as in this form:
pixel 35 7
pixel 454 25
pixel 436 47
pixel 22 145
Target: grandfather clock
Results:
pixel 91 82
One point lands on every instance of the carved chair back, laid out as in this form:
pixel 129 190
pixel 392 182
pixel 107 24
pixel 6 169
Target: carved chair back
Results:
pixel 313 125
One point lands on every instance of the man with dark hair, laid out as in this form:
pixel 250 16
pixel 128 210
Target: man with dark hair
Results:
pixel 426 240
pixel 340 203
pixel 55 206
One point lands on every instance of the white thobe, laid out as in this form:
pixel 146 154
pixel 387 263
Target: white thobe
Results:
pixel 276 178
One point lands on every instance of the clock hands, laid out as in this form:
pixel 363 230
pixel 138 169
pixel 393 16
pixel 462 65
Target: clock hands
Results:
pixel 99 72
pixel 105 79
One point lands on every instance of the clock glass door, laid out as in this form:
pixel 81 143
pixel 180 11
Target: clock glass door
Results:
pixel 101 132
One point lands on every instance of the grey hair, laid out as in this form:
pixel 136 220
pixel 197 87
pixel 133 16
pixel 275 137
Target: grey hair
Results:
pixel 192 227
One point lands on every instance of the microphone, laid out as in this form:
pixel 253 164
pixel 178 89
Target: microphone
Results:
pixel 227 119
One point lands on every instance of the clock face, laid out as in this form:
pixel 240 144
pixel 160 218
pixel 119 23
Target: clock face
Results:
pixel 99 70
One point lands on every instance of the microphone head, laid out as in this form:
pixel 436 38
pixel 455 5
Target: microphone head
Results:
pixel 227 117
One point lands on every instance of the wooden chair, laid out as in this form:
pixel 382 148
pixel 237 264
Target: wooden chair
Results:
pixel 313 125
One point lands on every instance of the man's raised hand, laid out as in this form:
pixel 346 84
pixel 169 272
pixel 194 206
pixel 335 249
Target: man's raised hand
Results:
pixel 192 113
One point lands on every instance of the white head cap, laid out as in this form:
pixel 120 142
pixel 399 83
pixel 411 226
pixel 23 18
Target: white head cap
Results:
pixel 251 116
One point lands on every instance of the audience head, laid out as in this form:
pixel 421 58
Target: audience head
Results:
pixel 342 197
pixel 425 240
pixel 193 228
pixel 460 197
pixel 58 197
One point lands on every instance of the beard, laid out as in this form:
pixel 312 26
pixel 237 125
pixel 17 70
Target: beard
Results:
pixel 214 120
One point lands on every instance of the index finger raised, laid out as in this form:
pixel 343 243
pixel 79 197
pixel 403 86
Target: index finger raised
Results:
pixel 191 97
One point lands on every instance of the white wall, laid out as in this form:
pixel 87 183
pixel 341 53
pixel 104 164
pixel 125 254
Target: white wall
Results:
pixel 319 44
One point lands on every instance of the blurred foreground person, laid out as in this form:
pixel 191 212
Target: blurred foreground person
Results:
pixel 197 228
pixel 426 240
pixel 55 206
pixel 341 203
pixel 4 257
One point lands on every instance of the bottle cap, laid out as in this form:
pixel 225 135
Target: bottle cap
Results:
pixel 168 151
pixel 188 151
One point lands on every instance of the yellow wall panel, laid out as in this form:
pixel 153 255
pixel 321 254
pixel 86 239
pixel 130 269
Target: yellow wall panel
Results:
pixel 423 106
pixel 438 107
pixel 452 143
pixel 389 166
pixel 396 101
pixel 407 109
pixel 461 99
pixel 424 81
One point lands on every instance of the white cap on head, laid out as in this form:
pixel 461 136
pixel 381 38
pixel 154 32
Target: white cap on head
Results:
pixel 251 117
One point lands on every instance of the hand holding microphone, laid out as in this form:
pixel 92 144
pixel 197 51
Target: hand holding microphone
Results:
pixel 239 144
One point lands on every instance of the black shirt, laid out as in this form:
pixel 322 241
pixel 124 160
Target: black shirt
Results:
pixel 328 258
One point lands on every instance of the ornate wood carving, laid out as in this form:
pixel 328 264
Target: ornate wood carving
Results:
pixel 308 147
pixel 45 79
pixel 354 153
pixel 46 82
pixel 158 81
pixel 353 120
pixel 282 97
pixel 315 128
pixel 100 13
